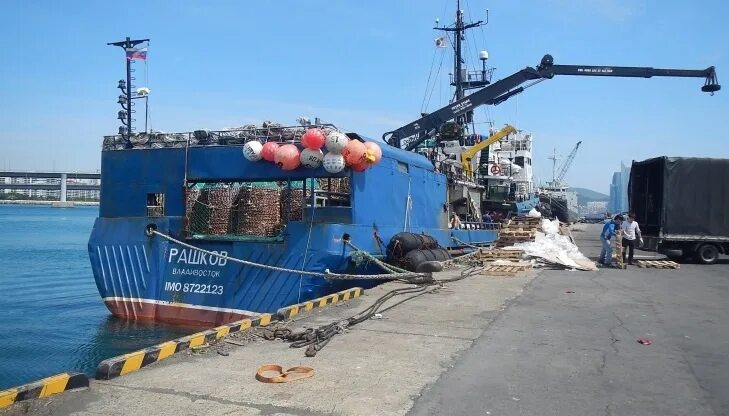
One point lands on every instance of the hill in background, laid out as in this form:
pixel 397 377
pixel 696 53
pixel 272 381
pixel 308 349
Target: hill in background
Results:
pixel 585 195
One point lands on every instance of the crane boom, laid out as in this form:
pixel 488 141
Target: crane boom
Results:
pixel 566 165
pixel 500 91
pixel 468 154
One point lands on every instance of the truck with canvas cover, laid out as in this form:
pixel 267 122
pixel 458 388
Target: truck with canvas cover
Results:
pixel 681 205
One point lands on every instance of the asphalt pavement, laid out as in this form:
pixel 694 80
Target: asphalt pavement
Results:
pixel 553 352
pixel 561 343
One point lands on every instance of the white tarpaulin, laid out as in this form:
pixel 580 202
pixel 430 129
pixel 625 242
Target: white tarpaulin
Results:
pixel 555 248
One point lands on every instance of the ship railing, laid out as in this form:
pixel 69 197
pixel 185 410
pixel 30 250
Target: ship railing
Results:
pixel 477 76
pixel 473 225
pixel 233 136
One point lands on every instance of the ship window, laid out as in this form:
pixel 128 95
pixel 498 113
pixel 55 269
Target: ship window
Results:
pixel 519 160
pixel 156 205
pixel 331 192
pixel 402 167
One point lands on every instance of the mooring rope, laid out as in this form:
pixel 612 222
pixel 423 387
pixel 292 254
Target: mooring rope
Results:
pixel 326 274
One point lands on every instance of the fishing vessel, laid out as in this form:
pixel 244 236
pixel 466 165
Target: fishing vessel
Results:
pixel 205 227
pixel 177 209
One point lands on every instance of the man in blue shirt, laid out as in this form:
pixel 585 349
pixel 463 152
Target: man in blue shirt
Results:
pixel 609 230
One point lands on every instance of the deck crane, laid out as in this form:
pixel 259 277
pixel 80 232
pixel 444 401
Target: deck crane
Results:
pixel 497 92
pixel 566 165
pixel 468 154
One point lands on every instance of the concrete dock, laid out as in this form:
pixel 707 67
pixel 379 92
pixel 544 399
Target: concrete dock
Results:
pixel 479 346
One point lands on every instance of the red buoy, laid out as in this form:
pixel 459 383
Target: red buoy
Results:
pixel 268 152
pixel 313 139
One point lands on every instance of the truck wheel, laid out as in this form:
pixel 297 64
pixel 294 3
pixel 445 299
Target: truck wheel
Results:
pixel 707 254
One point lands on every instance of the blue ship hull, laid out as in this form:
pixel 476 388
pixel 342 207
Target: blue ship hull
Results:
pixel 148 277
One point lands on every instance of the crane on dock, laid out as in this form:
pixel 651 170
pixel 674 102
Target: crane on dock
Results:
pixel 559 178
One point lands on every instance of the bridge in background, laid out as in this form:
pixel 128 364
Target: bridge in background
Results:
pixel 50 181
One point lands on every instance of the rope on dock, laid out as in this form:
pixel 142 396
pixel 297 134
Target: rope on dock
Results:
pixel 326 274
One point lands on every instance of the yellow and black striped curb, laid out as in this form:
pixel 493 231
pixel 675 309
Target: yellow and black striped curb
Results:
pixel 128 363
pixel 43 388
pixel 293 310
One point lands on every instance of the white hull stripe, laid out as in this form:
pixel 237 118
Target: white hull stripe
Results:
pixel 181 305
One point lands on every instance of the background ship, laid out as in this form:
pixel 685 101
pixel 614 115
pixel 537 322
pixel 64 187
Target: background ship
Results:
pixel 556 194
pixel 488 174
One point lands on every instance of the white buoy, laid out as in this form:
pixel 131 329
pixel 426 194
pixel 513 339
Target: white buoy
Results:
pixel 252 150
pixel 336 141
pixel 333 162
pixel 312 158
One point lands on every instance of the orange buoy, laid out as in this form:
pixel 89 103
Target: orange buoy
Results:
pixel 353 152
pixel 287 157
pixel 373 153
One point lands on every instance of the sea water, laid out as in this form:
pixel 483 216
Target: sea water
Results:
pixel 52 318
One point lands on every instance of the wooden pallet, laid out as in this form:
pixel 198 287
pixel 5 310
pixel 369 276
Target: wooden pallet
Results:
pixel 500 254
pixel 501 243
pixel 523 218
pixel 515 233
pixel 514 239
pixel 523 228
pixel 618 248
pixel 504 270
pixel 657 264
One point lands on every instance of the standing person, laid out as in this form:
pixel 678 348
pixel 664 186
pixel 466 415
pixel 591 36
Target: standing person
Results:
pixel 609 230
pixel 487 218
pixel 455 222
pixel 630 231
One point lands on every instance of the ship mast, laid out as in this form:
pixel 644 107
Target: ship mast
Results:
pixel 462 80
pixel 554 160
pixel 125 100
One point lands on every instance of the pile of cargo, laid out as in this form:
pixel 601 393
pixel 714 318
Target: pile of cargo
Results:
pixel 234 136
pixel 518 230
pixel 259 209
pixel 292 204
pixel 253 214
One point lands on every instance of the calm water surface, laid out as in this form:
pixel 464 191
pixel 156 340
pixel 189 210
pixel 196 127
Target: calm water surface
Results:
pixel 51 316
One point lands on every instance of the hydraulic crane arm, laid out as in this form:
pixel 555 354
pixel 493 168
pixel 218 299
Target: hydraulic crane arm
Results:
pixel 502 90
pixel 468 154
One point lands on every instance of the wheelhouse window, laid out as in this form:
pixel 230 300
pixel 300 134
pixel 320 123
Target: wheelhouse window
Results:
pixel 155 205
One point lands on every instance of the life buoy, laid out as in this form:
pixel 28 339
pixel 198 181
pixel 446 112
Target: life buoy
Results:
pixel 495 169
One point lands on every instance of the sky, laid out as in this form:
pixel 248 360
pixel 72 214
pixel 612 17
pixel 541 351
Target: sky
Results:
pixel 364 66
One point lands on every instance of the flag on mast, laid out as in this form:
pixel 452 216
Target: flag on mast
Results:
pixel 133 53
pixel 441 42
